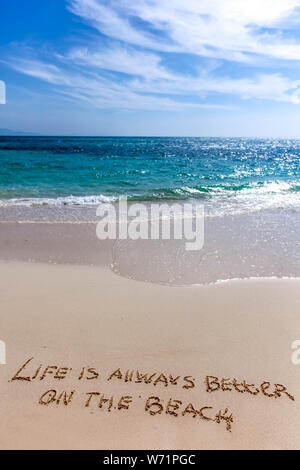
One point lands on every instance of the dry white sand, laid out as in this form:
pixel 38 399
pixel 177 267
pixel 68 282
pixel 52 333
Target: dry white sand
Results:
pixel 74 316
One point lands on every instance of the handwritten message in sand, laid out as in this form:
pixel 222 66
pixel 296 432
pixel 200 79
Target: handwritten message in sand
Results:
pixel 153 404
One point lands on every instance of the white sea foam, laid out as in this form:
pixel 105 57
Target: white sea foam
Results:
pixel 59 201
pixel 218 202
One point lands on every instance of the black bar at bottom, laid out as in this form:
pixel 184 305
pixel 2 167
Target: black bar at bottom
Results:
pixel 131 458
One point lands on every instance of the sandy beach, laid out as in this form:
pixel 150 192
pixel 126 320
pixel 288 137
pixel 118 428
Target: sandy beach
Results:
pixel 149 229
pixel 140 343
pixel 97 361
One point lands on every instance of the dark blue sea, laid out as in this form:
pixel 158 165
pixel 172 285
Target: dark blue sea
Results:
pixel 230 175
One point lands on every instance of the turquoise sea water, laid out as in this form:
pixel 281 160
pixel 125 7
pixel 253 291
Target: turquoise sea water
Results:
pixel 228 175
pixel 250 189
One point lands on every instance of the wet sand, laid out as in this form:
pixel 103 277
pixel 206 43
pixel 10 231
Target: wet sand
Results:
pixel 235 247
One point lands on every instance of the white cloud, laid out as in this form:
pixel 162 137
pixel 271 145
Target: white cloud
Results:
pixel 141 31
pixel 148 93
pixel 216 28
pixel 264 86
pixel 99 91
pixel 120 59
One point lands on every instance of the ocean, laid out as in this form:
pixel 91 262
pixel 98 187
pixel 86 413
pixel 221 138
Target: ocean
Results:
pixel 250 190
pixel 67 177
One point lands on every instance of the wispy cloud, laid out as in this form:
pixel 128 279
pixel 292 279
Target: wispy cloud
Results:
pixel 119 59
pixel 215 28
pixel 100 91
pixel 125 64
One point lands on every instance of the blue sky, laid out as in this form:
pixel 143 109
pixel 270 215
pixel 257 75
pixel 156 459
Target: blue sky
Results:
pixel 151 67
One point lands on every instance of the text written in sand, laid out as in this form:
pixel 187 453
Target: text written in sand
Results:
pixel 154 404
